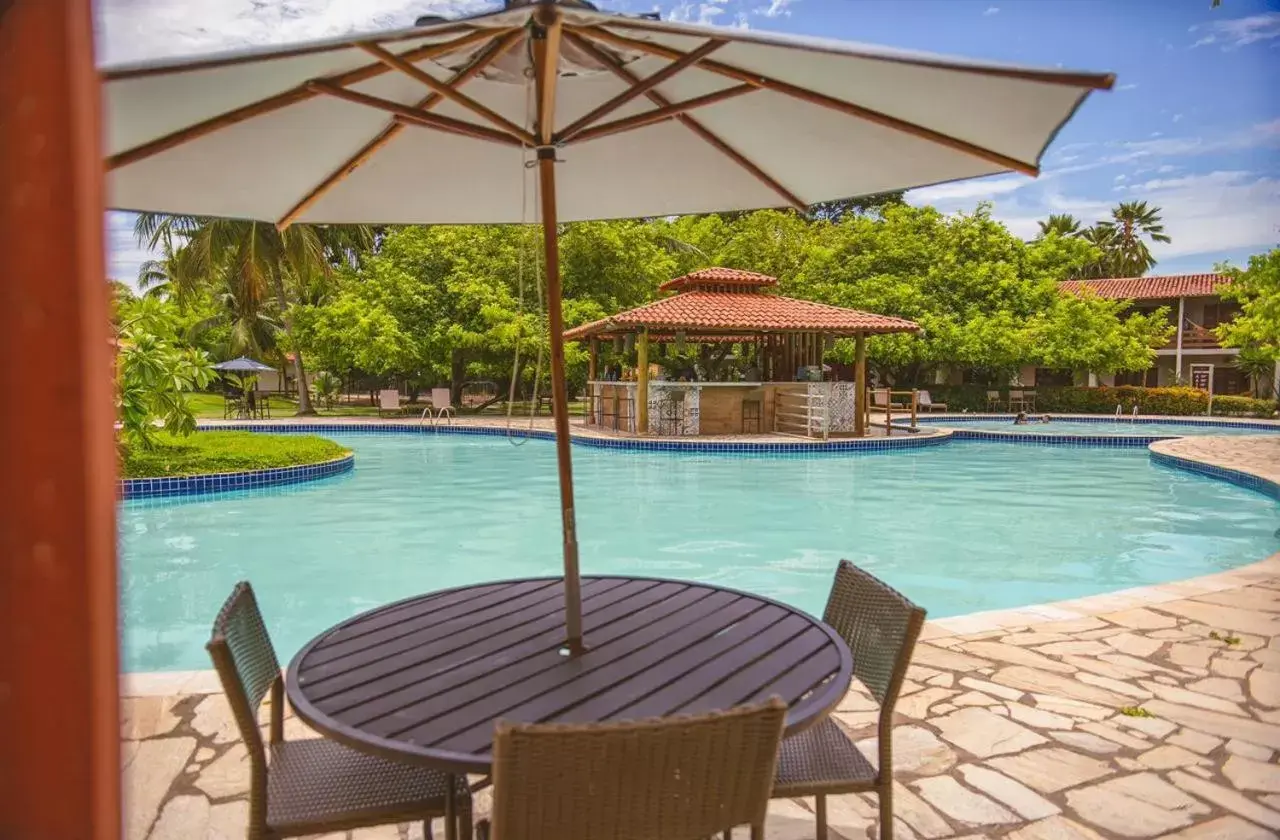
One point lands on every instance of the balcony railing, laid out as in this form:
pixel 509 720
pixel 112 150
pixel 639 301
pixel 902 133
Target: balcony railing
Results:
pixel 1195 337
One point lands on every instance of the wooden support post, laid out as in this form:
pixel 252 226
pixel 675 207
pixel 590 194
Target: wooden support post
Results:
pixel 59 629
pixel 593 363
pixel 642 382
pixel 888 411
pixel 915 406
pixel 860 384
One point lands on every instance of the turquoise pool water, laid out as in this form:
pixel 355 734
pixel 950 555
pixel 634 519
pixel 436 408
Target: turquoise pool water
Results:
pixel 960 527
pixel 1106 427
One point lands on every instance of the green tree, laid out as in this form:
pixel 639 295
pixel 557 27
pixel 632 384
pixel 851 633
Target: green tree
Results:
pixel 155 371
pixel 1256 330
pixel 1130 225
pixel 873 205
pixel 256 268
pixel 1062 224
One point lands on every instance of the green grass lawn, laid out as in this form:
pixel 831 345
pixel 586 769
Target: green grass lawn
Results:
pixel 215 452
pixel 210 407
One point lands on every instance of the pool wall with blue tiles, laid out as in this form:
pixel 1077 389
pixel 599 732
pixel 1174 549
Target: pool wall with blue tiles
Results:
pixel 191 485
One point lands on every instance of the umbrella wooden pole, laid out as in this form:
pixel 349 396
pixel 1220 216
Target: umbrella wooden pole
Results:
pixel 560 401
pixel 546 55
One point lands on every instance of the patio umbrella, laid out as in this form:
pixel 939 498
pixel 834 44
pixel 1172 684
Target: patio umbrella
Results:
pixel 243 365
pixel 619 116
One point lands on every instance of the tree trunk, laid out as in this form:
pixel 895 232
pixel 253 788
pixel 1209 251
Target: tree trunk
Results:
pixel 458 370
pixel 304 393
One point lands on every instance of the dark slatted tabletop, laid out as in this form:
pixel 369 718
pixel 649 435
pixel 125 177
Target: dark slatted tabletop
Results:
pixel 425 679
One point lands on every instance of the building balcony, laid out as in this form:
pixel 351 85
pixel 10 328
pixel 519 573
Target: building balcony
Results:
pixel 1195 337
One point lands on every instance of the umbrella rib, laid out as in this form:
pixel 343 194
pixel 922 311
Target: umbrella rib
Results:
pixel 821 99
pixel 448 92
pixel 547 72
pixel 481 60
pixel 660 114
pixel 414 116
pixel 616 67
pixel 640 86
pixel 1093 81
pixel 292 96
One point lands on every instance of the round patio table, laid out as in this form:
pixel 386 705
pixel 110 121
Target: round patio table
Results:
pixel 424 680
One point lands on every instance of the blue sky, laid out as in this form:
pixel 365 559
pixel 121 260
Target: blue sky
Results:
pixel 1193 125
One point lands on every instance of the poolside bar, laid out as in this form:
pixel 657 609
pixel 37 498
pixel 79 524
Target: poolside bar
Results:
pixel 758 367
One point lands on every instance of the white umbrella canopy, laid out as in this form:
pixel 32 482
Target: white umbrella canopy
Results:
pixel 790 121
pixel 624 116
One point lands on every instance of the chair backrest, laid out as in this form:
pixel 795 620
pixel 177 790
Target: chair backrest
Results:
pixel 247 667
pixel 678 779
pixel 1015 395
pixel 923 398
pixel 440 398
pixel 880 626
pixel 993 395
pixel 389 399
pixel 879 397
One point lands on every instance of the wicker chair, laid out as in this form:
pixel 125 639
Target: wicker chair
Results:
pixel 678 779
pixel 312 786
pixel 881 628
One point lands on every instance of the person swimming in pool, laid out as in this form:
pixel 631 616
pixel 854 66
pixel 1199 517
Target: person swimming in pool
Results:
pixel 1021 419
pixel 1044 418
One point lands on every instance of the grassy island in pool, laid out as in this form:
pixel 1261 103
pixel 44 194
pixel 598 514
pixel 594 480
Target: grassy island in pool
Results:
pixel 221 452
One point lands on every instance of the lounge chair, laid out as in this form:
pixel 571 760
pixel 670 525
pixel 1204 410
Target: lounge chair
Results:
pixel 1016 401
pixel 923 400
pixel 312 786
pixel 993 400
pixel 881 628
pixel 442 403
pixel 681 778
pixel 388 401
pixel 880 399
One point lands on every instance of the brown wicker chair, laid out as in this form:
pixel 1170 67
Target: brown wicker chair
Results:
pixel 881 628
pixel 677 779
pixel 310 786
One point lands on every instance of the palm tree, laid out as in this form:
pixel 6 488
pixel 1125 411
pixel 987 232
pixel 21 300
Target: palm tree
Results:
pixel 1130 222
pixel 1063 224
pixel 1102 238
pixel 256 268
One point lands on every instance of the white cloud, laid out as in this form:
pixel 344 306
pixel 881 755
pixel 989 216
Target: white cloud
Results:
pixel 991 10
pixel 1129 86
pixel 704 13
pixel 1239 32
pixel 1120 178
pixel 980 188
pixel 133 30
pixel 776 8
pixel 1177 117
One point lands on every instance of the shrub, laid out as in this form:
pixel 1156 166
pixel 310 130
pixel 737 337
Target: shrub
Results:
pixel 1229 406
pixel 1175 401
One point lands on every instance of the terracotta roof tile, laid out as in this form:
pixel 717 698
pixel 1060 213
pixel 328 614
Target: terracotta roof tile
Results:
pixel 1150 288
pixel 721 277
pixel 746 311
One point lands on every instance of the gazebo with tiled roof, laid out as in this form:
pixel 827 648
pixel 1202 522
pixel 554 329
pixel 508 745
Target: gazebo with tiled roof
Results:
pixel 717 305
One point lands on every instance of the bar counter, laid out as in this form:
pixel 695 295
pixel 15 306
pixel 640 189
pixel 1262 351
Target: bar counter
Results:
pixel 716 408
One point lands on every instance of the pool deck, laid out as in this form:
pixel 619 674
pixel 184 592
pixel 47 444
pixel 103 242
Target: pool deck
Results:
pixel 1010 723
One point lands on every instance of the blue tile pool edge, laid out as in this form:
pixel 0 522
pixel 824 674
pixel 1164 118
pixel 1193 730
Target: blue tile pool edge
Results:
pixel 798 447
pixel 193 485
pixel 1240 478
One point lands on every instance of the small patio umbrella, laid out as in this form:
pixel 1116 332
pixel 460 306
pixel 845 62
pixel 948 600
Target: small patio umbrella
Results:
pixel 620 117
pixel 242 368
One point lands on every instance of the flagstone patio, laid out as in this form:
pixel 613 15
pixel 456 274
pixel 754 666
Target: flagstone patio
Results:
pixel 1158 719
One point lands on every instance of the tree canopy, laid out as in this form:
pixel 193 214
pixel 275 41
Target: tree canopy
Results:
pixel 425 305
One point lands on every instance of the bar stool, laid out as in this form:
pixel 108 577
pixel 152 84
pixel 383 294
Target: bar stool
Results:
pixel 671 413
pixel 753 409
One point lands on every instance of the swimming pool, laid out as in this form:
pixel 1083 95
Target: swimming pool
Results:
pixel 963 527
pixel 1101 426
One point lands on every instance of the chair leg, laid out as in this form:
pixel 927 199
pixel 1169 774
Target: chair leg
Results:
pixel 820 808
pixel 885 795
pixel 757 832
pixel 426 829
